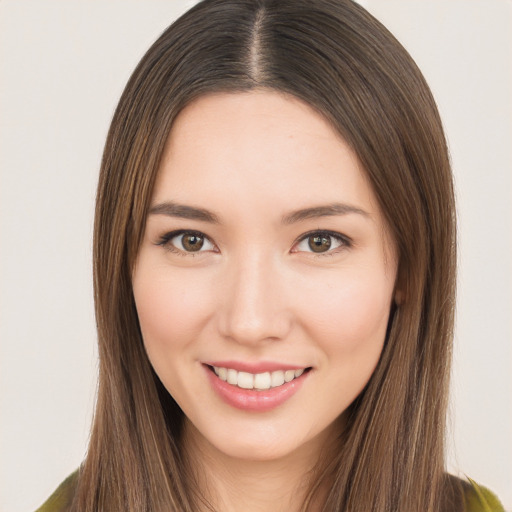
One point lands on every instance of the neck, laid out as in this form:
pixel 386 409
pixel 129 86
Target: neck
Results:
pixel 230 484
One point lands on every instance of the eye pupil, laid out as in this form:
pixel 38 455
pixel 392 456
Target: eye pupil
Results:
pixel 192 242
pixel 319 243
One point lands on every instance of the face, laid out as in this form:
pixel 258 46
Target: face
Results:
pixel 265 278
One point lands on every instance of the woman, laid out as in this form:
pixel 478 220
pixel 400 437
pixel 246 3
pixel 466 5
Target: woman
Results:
pixel 274 273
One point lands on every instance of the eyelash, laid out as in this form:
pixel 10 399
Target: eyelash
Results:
pixel 345 242
pixel 166 239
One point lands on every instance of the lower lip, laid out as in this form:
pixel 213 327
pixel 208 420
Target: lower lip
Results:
pixel 251 399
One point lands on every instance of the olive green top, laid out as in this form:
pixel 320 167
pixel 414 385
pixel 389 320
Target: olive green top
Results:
pixel 480 499
pixel 61 499
pixel 477 498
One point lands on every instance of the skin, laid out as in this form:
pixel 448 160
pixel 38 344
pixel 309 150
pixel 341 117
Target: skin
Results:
pixel 257 292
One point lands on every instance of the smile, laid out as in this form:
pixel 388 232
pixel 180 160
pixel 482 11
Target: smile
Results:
pixel 260 391
pixel 257 381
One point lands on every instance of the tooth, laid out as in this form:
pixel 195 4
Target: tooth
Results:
pixel 223 373
pixel 232 376
pixel 262 380
pixel 216 370
pixel 277 378
pixel 289 375
pixel 298 373
pixel 245 380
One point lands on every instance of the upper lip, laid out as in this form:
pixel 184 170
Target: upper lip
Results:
pixel 255 367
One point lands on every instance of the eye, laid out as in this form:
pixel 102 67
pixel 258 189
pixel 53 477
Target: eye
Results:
pixel 321 242
pixel 187 242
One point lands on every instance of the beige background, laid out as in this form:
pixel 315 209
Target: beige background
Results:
pixel 62 68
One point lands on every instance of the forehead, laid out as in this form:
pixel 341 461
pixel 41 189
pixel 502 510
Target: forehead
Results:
pixel 259 146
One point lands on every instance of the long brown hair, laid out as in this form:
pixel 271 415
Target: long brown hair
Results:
pixel 336 57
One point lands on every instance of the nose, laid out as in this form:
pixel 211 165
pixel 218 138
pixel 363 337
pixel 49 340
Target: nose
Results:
pixel 254 307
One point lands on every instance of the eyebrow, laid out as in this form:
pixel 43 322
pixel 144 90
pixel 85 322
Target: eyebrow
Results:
pixel 328 210
pixel 182 211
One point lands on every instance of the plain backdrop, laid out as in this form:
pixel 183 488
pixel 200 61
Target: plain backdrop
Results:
pixel 63 66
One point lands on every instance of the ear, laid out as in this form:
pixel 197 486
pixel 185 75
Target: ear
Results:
pixel 399 297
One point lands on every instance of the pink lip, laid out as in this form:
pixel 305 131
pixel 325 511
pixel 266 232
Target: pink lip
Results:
pixel 260 367
pixel 251 399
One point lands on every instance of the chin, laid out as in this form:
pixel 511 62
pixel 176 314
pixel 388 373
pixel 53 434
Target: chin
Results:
pixel 263 443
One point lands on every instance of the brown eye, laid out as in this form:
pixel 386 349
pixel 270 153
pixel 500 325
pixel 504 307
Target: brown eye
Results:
pixel 319 243
pixel 322 242
pixel 192 242
pixel 187 242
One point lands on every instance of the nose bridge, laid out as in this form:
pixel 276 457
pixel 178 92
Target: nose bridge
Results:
pixel 254 306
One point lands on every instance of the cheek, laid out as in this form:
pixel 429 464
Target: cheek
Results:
pixel 350 316
pixel 171 310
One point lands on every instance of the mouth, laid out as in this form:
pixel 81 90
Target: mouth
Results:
pixel 256 392
pixel 257 381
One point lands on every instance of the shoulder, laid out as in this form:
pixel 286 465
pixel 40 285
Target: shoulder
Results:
pixel 467 496
pixel 60 500
pixel 481 499
pixel 476 498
